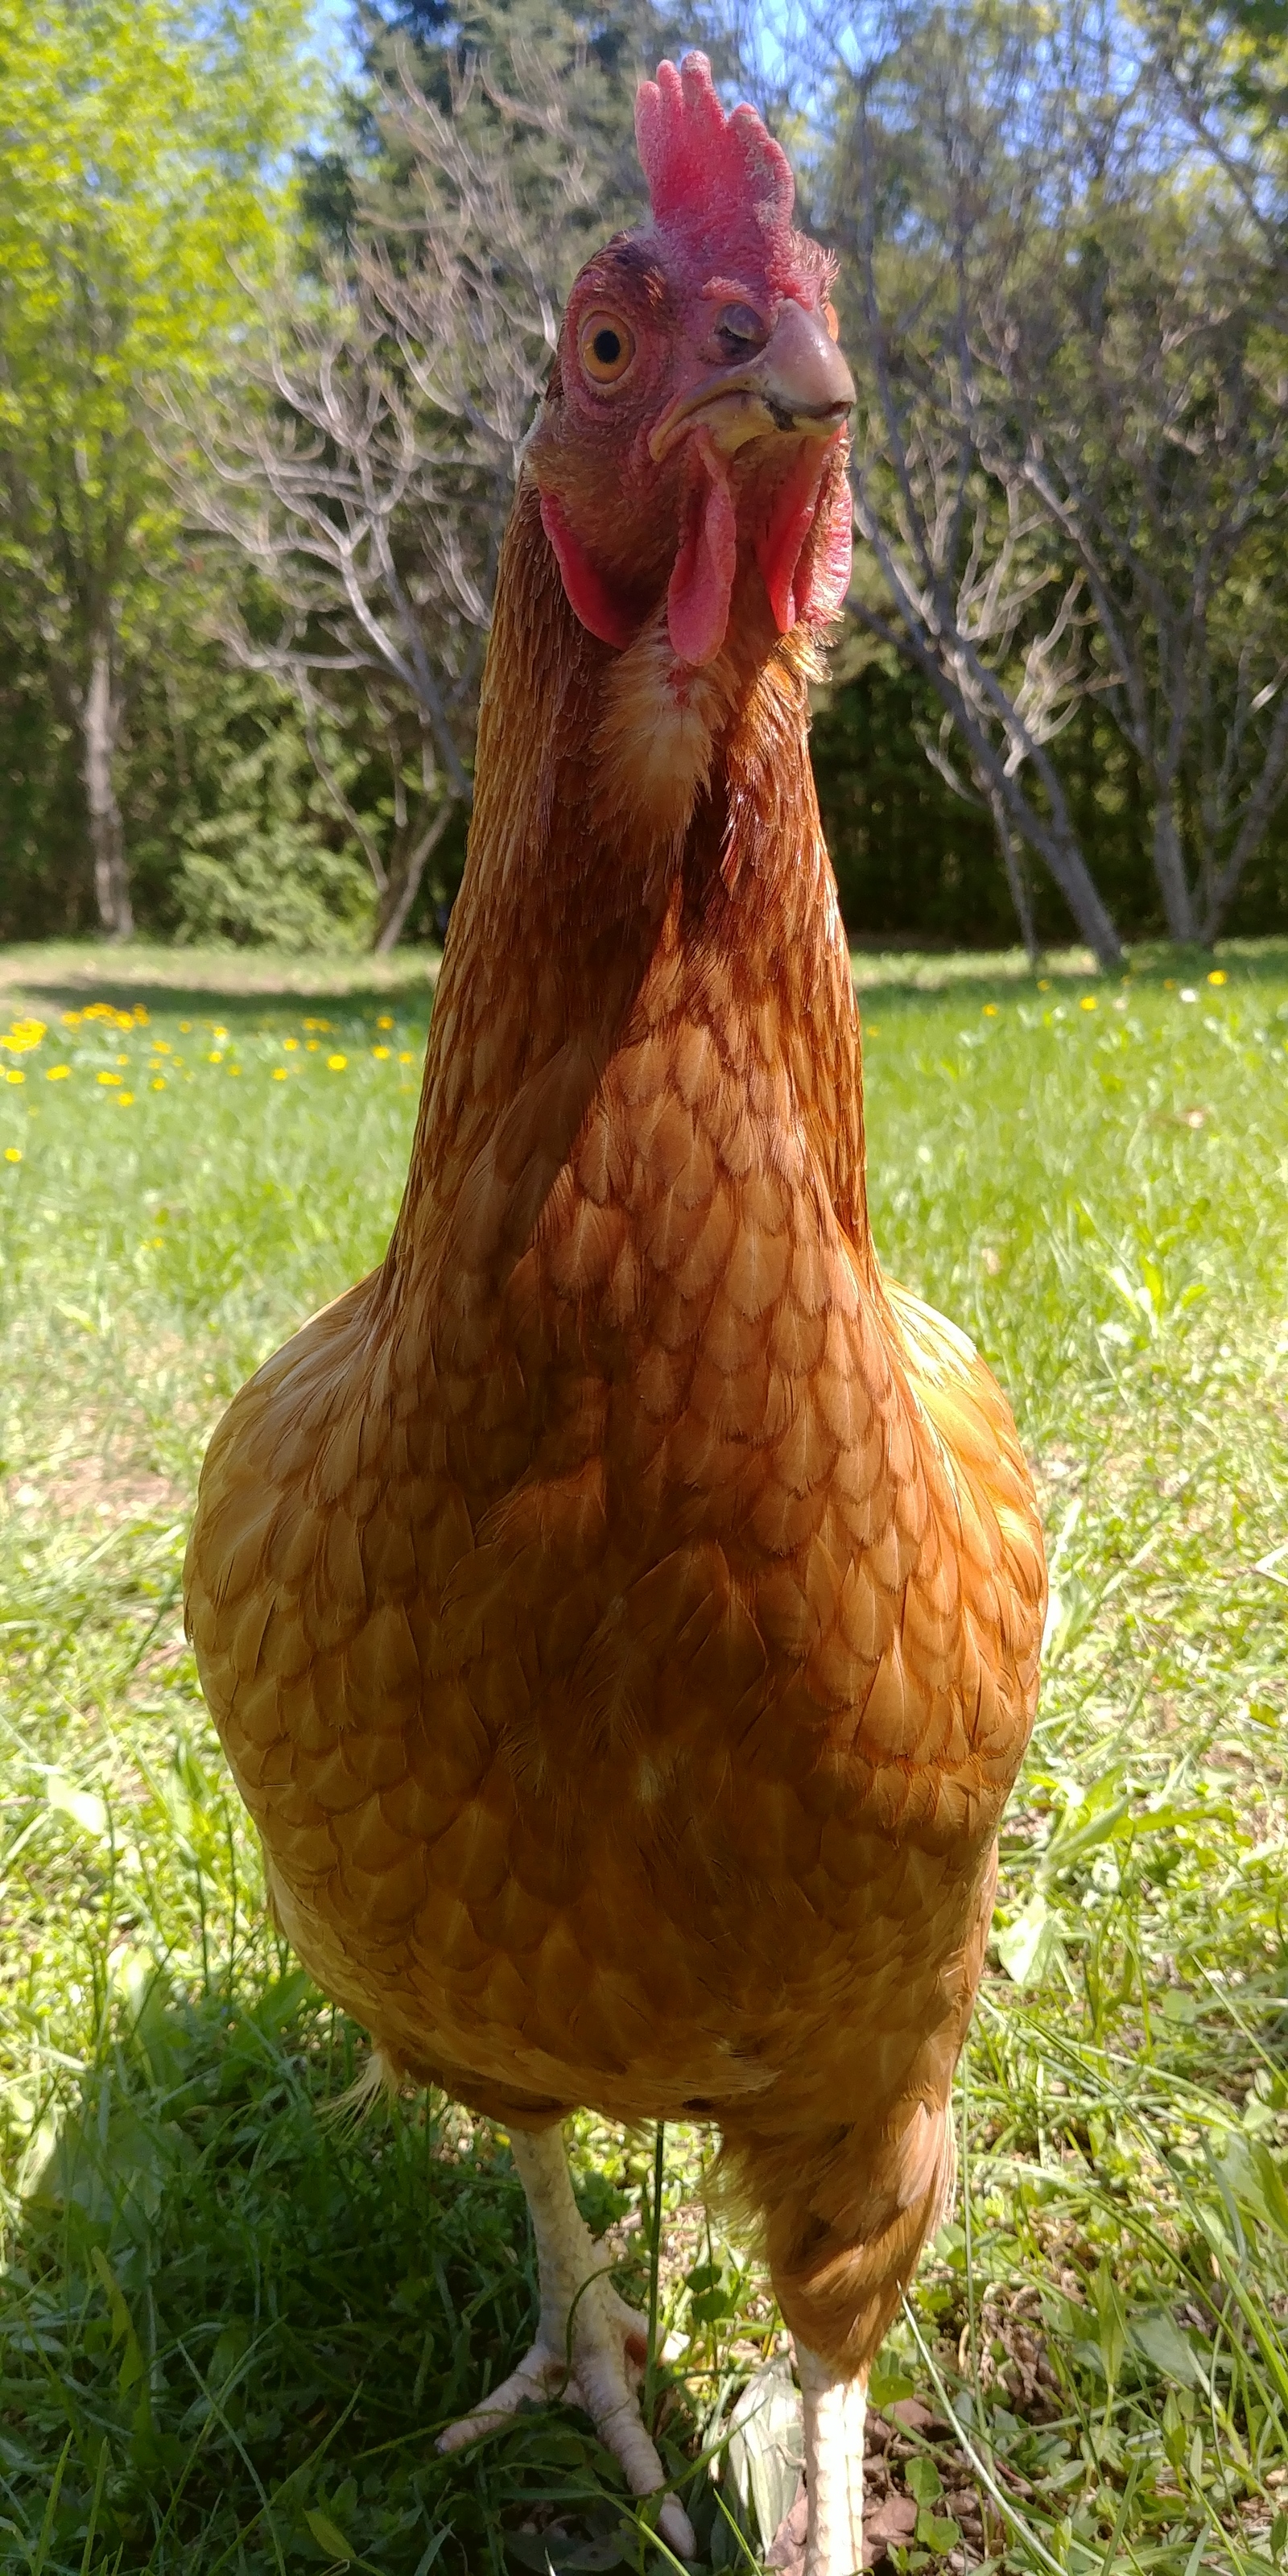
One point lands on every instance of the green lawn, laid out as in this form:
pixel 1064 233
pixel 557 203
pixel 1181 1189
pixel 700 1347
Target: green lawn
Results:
pixel 229 2328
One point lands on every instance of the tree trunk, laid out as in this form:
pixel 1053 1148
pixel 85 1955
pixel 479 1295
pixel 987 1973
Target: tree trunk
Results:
pixel 100 725
pixel 1013 862
pixel 1169 869
pixel 403 883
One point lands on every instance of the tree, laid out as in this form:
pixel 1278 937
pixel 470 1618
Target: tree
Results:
pixel 368 478
pixel 141 198
pixel 1131 379
pixel 1068 263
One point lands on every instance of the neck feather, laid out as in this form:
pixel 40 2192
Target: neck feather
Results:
pixel 646 843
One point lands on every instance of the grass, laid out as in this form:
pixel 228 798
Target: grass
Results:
pixel 229 2328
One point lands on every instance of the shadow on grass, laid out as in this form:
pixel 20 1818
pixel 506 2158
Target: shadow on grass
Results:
pixel 230 2328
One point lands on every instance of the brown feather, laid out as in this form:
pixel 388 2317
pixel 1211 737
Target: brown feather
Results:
pixel 621 1611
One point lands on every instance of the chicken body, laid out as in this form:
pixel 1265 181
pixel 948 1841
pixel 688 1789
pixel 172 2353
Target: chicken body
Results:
pixel 621 1611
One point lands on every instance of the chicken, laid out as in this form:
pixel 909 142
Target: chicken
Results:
pixel 621 1610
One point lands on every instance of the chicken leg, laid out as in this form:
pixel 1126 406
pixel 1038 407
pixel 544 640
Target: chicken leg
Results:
pixel 590 2346
pixel 835 2407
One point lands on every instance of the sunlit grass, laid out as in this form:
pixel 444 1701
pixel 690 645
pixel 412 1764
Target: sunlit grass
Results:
pixel 227 2331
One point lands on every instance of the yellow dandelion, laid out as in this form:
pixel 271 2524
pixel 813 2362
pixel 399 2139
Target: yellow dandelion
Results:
pixel 234 1068
pixel 1044 983
pixel 161 1046
pixel 1218 976
pixel 1088 1002
pixel 122 1059
pixel 13 1153
pixel 280 1073
pixel 158 1243
pixel 385 1023
pixel 126 1100
pixel 990 1010
pixel 381 1052
pixel 139 1015
pixel 57 1072
pixel 72 1019
pixel 310 1046
pixel 1169 983
pixel 158 1082
pixel 407 1057
pixel 291 1045
pixel 185 1028
pixel 14 1074
pixel 217 1057
pixel 110 1081
pixel 336 1063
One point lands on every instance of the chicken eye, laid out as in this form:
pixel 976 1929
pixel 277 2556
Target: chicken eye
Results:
pixel 740 331
pixel 607 346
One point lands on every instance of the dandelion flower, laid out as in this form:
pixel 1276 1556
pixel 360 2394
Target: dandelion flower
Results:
pixel 310 1046
pixel 1044 983
pixel 110 1081
pixel 1088 1002
pixel 126 1100
pixel 15 1074
pixel 1218 976
pixel 158 1082
pixel 382 1052
pixel 217 1057
pixel 185 1028
pixel 72 1019
pixel 990 1010
pixel 280 1073
pixel 290 1044
pixel 336 1063
pixel 57 1072
pixel 13 1153
pixel 407 1058
pixel 385 1023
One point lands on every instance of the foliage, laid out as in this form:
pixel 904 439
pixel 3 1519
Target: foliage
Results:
pixel 141 202
pixel 366 468
pixel 227 2328
pixel 1072 445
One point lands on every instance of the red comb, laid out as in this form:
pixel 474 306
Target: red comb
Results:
pixel 720 187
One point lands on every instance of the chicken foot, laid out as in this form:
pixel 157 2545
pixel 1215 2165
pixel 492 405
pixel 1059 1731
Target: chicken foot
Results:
pixel 835 2409
pixel 596 2361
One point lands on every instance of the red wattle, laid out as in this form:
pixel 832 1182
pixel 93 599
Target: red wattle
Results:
pixel 778 551
pixel 828 558
pixel 588 594
pixel 701 584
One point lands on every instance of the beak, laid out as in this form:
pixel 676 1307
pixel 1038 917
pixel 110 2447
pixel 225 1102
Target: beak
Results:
pixel 799 382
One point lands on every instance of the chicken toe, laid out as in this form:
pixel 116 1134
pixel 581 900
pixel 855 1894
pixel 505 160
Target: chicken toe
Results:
pixel 590 2347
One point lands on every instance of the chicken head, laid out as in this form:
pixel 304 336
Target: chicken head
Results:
pixel 692 445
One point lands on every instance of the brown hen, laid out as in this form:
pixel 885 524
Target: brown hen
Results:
pixel 621 1610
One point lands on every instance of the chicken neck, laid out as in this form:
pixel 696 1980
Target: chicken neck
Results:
pixel 644 848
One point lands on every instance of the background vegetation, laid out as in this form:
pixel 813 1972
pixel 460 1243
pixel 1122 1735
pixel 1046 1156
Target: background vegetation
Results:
pixel 272 327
